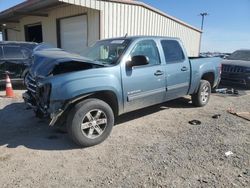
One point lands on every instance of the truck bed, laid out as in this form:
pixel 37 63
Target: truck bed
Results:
pixel 201 66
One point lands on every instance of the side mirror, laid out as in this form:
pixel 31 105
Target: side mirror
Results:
pixel 138 60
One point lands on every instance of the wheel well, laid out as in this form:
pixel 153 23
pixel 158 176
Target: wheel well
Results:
pixel 209 76
pixel 109 97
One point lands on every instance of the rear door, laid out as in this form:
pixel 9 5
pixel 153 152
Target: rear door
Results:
pixel 177 69
pixel 144 85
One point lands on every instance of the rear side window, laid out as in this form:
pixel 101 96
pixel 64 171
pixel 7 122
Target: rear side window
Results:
pixel 15 52
pixel 172 51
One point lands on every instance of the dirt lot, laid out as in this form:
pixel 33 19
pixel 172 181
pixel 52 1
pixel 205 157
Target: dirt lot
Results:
pixel 155 147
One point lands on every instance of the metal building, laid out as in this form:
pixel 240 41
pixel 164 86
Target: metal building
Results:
pixel 76 24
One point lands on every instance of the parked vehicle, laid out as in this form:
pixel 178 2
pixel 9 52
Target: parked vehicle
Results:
pixel 117 76
pixel 15 57
pixel 236 69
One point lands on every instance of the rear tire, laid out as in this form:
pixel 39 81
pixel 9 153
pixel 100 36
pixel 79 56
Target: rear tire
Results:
pixel 90 122
pixel 202 96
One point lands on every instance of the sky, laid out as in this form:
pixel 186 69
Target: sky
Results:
pixel 226 28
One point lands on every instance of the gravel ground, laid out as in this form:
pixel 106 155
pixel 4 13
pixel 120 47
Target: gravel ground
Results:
pixel 154 147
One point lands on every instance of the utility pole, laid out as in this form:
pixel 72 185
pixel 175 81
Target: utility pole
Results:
pixel 203 14
pixel 203 17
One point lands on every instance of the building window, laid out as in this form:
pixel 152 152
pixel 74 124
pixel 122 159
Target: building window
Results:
pixel 34 33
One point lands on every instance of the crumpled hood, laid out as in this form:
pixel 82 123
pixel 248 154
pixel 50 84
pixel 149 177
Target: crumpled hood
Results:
pixel 236 63
pixel 44 61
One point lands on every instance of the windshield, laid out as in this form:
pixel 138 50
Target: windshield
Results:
pixel 107 51
pixel 240 55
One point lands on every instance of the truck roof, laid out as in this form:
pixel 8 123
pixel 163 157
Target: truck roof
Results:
pixel 142 37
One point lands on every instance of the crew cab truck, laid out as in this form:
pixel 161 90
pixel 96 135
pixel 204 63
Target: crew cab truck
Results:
pixel 114 77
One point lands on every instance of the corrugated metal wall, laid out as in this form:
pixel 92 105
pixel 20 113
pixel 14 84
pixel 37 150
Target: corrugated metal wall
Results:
pixel 49 23
pixel 118 19
pixel 107 19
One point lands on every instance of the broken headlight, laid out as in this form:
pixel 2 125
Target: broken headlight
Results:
pixel 43 92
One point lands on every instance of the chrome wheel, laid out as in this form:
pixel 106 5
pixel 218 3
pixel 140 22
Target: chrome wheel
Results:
pixel 205 94
pixel 94 123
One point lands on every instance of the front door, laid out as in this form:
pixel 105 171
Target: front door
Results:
pixel 144 85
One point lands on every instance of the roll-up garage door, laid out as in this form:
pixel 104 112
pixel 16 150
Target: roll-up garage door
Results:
pixel 73 34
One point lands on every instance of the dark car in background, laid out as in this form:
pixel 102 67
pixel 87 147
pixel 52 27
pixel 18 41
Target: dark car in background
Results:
pixel 236 69
pixel 16 58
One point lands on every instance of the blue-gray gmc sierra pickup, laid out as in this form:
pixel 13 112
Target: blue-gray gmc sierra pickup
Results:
pixel 115 76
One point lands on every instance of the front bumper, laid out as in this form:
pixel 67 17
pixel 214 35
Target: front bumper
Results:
pixel 40 111
pixel 241 79
pixel 31 102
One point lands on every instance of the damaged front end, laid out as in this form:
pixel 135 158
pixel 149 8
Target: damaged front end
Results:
pixel 40 79
pixel 37 97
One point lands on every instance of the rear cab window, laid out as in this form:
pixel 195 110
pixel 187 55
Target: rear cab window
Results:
pixel 172 51
pixel 15 52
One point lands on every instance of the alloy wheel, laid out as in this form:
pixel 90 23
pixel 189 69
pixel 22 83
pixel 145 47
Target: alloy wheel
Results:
pixel 94 123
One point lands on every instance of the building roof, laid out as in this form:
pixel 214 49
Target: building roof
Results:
pixel 33 7
pixel 27 8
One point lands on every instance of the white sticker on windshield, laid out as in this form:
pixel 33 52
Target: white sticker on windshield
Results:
pixel 117 41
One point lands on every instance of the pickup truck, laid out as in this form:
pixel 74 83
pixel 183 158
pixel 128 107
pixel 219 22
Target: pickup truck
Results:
pixel 114 77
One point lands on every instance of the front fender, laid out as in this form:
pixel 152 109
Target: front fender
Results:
pixel 76 87
pixel 73 85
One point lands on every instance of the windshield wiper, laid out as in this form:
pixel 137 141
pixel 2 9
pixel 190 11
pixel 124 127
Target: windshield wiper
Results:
pixel 105 63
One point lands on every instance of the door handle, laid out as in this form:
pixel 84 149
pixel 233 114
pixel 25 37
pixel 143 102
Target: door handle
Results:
pixel 158 73
pixel 184 69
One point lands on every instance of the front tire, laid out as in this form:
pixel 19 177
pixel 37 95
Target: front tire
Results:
pixel 202 96
pixel 90 122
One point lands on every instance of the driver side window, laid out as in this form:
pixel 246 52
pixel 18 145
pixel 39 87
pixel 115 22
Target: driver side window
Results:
pixel 149 49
